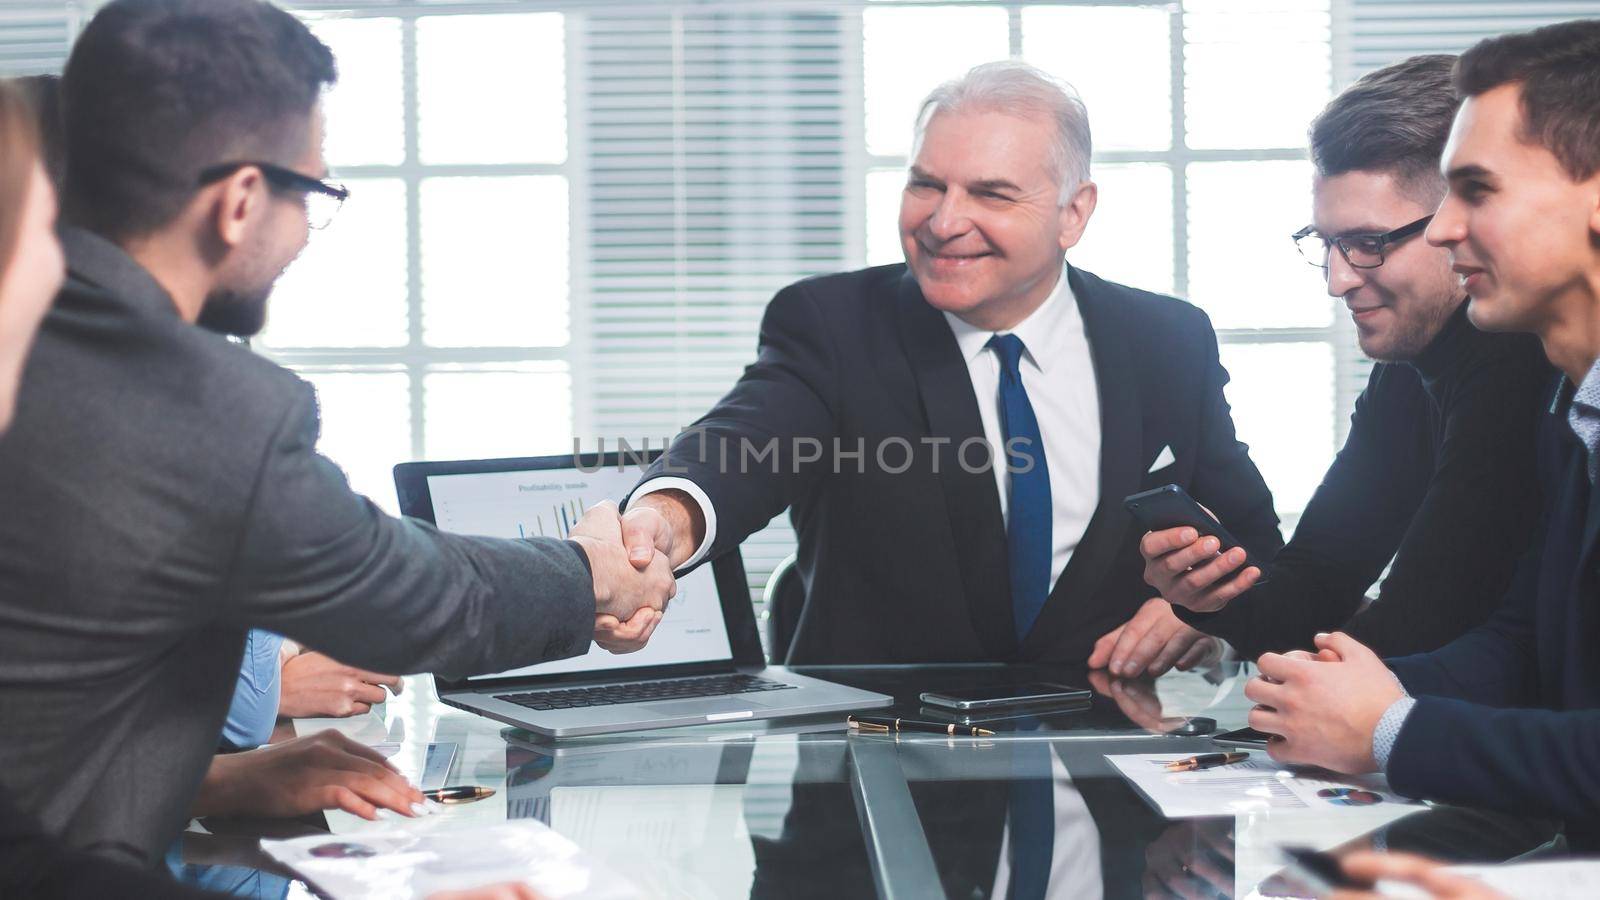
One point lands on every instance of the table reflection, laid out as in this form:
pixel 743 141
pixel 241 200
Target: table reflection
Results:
pixel 1028 835
pixel 1191 858
pixel 799 808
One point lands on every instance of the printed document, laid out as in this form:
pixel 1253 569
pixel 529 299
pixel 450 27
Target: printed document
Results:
pixel 1257 783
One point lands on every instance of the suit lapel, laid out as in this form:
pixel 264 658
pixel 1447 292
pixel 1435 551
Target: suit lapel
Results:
pixel 971 500
pixel 1121 440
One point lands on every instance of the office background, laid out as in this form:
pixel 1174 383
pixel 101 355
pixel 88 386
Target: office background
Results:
pixel 567 217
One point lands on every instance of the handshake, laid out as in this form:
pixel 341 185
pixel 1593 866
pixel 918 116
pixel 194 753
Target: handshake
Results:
pixel 630 559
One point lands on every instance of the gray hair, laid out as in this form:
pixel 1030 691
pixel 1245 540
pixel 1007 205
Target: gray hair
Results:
pixel 1014 87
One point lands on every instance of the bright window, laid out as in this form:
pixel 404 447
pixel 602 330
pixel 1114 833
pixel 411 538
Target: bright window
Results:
pixel 434 314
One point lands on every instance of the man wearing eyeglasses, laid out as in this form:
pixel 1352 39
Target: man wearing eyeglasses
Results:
pixel 162 493
pixel 1436 479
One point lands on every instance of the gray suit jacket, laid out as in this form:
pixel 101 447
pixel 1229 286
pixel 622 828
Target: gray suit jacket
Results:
pixel 160 494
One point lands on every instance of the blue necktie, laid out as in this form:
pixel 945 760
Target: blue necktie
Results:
pixel 1031 815
pixel 1030 513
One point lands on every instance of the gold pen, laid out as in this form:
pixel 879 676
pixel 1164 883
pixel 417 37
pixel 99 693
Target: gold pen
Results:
pixel 1206 761
pixel 464 794
pixel 883 725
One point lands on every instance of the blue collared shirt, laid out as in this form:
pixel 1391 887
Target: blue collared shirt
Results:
pixel 1583 416
pixel 255 696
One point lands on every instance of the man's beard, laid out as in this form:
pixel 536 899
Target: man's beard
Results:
pixel 235 313
pixel 1415 335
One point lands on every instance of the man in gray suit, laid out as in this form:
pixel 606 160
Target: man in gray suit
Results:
pixel 162 492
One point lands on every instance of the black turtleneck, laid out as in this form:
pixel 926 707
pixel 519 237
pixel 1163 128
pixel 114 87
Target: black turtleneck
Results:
pixel 1436 475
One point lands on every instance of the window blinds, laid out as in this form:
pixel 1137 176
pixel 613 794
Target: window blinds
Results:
pixel 35 36
pixel 715 150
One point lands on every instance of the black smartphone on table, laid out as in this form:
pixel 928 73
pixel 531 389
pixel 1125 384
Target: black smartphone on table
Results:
pixel 1243 737
pixel 1008 696
pixel 1170 506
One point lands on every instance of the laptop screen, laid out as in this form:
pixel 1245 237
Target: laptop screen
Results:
pixel 549 502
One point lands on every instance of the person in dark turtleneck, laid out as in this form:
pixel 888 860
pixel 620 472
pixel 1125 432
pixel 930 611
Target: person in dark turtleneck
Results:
pixel 1437 478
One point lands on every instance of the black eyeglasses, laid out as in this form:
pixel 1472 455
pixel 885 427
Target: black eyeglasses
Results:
pixel 323 198
pixel 1361 251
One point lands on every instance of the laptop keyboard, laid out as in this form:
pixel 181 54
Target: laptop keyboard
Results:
pixel 644 691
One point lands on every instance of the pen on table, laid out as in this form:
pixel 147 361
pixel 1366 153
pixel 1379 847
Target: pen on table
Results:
pixel 1206 761
pixel 465 794
pixel 883 724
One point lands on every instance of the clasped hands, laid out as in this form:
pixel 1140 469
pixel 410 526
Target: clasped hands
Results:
pixel 632 570
pixel 1325 706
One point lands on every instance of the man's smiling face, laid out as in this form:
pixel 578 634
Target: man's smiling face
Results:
pixel 1399 306
pixel 1520 230
pixel 980 220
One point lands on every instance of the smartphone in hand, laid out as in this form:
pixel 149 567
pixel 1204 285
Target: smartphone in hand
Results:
pixel 1170 506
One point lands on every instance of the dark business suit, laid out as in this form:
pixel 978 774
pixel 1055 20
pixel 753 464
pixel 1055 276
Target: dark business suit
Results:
pixel 1508 715
pixel 162 496
pixel 913 567
pixel 40 867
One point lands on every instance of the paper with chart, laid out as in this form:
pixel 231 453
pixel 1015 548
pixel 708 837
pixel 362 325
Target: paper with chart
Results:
pixel 548 503
pixel 1257 783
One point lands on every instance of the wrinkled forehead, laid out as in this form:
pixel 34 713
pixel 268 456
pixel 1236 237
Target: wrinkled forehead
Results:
pixel 985 145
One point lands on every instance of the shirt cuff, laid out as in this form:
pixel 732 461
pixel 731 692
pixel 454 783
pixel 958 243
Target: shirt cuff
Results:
pixel 668 483
pixel 1388 730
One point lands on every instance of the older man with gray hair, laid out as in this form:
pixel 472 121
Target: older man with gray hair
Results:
pixel 954 436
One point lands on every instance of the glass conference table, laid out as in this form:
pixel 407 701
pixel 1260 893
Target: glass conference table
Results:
pixel 802 808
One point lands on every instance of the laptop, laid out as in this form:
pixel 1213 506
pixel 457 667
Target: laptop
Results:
pixel 704 663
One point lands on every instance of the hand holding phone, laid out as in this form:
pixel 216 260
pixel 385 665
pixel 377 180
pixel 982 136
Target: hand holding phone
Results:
pixel 1189 556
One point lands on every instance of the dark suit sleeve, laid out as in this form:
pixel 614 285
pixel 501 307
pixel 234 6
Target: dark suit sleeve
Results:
pixel 35 865
pixel 1444 580
pixel 1472 737
pixel 1528 761
pixel 1225 480
pixel 1344 538
pixel 319 563
pixel 1453 566
pixel 1494 664
pixel 750 452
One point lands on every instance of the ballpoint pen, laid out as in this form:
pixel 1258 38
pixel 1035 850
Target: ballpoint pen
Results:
pixel 1206 761
pixel 463 794
pixel 884 724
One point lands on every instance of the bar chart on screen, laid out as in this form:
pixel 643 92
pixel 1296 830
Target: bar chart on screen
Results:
pixel 532 504
pixel 525 504
pixel 556 521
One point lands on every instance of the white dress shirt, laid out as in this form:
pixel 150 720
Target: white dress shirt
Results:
pixel 1058 374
